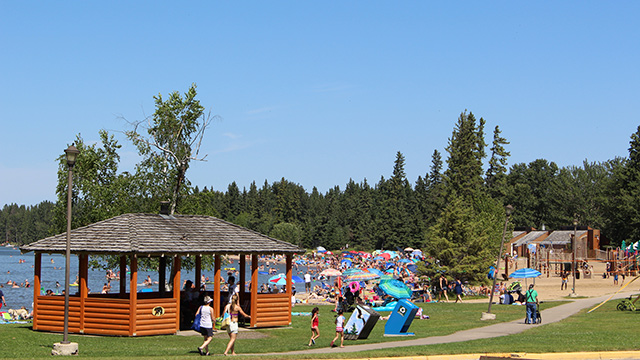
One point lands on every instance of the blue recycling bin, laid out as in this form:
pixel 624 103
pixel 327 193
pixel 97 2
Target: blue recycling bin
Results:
pixel 400 319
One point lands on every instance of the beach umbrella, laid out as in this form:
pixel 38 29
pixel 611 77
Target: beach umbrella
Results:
pixel 386 277
pixel 375 271
pixel 330 272
pixel 346 262
pixel 351 272
pixel 283 280
pixel 396 289
pixel 350 256
pixel 525 273
pixel 413 268
pixel 379 258
pixel 329 253
pixel 386 256
pixel 409 249
pixel 321 249
pixel 362 276
pixel 404 261
pixel 275 278
pixel 416 252
pixel 389 265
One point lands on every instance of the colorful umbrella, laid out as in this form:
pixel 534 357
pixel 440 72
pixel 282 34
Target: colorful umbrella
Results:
pixel 404 261
pixel 396 289
pixel 351 272
pixel 525 273
pixel 275 278
pixel 412 267
pixel 379 258
pixel 321 249
pixel 409 249
pixel 347 255
pixel 362 276
pixel 346 262
pixel 375 271
pixel 330 272
pixel 283 280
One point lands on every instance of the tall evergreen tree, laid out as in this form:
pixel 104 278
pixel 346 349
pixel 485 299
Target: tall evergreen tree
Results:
pixel 495 177
pixel 626 216
pixel 466 151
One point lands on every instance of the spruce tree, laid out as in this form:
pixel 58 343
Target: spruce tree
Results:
pixel 495 177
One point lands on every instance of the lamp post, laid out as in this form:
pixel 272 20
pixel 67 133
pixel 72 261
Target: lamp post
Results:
pixel 574 245
pixel 488 315
pixel 65 347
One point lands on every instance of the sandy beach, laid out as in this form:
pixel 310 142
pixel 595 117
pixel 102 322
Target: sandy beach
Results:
pixel 548 288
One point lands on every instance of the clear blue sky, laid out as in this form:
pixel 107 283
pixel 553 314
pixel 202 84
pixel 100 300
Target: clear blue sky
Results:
pixel 317 92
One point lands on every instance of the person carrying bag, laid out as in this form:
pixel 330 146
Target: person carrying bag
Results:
pixel 204 323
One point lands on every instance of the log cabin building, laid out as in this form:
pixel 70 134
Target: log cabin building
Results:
pixel 161 311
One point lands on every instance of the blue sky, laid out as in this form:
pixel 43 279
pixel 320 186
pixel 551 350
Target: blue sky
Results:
pixel 317 92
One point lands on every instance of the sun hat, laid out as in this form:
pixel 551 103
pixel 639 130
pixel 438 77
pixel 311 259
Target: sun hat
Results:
pixel 207 299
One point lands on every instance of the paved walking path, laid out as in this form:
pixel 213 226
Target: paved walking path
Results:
pixel 551 315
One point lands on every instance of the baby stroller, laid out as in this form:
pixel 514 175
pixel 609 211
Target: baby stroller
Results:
pixel 514 287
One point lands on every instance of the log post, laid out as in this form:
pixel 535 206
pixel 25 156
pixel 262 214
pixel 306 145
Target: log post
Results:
pixel 241 282
pixel 133 294
pixel 216 285
pixel 37 273
pixel 289 283
pixel 84 290
pixel 177 263
pixel 254 290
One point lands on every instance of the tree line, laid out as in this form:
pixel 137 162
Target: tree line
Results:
pixel 455 211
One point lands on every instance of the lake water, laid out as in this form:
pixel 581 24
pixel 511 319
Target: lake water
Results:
pixel 11 268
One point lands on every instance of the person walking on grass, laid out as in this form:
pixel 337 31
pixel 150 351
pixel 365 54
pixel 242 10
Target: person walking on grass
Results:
pixel 206 324
pixel 458 289
pixel 531 298
pixel 444 285
pixel 234 311
pixel 315 331
pixel 339 329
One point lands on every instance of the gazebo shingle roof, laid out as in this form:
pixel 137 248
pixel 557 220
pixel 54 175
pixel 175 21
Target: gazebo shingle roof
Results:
pixel 162 234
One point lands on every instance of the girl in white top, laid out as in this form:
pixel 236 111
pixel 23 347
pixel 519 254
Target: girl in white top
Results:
pixel 339 329
pixel 206 324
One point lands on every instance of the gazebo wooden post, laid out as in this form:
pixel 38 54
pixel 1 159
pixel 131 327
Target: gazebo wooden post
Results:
pixel 216 285
pixel 241 282
pixel 162 275
pixel 177 262
pixel 37 272
pixel 289 282
pixel 84 290
pixel 198 271
pixel 254 290
pixel 133 294
pixel 123 276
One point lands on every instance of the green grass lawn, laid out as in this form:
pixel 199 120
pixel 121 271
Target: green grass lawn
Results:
pixel 605 329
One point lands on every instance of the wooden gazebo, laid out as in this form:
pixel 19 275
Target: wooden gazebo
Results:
pixel 167 237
